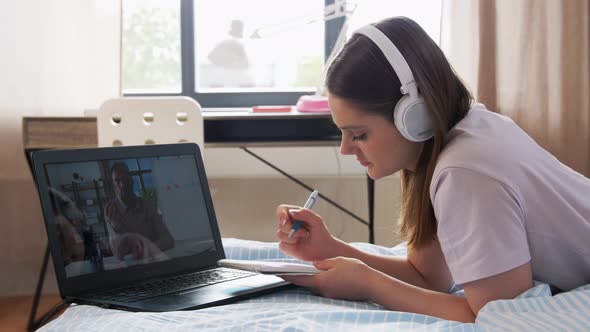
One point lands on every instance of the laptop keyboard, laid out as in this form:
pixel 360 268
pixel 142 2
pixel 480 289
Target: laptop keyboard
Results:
pixel 175 284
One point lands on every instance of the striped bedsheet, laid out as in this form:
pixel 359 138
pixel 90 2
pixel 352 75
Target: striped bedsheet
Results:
pixel 300 310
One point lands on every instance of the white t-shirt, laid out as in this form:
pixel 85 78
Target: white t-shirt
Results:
pixel 500 201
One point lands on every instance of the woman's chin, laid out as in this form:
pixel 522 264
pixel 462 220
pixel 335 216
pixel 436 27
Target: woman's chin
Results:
pixel 377 174
pixel 373 174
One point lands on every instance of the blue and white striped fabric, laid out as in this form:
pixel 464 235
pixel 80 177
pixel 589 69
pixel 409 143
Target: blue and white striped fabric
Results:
pixel 300 310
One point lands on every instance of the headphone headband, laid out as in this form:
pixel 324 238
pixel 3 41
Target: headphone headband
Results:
pixel 393 55
pixel 410 115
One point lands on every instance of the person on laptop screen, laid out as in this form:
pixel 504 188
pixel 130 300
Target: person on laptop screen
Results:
pixel 134 225
pixel 72 227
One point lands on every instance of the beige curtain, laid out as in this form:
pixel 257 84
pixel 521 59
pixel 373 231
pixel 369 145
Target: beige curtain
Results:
pixel 529 60
pixel 58 59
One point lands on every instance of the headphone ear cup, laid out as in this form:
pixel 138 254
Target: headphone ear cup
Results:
pixel 412 119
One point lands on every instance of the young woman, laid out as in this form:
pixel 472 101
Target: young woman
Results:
pixel 483 206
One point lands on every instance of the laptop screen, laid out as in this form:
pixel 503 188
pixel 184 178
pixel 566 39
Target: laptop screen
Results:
pixel 117 213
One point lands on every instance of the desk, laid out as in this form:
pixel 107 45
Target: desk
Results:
pixel 15 309
pixel 222 129
pixel 241 129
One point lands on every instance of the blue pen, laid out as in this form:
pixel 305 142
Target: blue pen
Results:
pixel 308 205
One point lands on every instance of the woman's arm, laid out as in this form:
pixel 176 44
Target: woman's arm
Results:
pixel 351 279
pixel 396 295
pixel 424 267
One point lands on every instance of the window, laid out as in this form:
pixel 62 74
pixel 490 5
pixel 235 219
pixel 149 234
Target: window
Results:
pixel 150 53
pixel 140 171
pixel 236 53
pixel 427 13
pixel 239 47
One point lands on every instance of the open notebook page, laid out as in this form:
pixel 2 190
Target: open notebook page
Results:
pixel 266 267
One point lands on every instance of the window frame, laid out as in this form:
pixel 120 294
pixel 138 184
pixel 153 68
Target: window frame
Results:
pixel 232 99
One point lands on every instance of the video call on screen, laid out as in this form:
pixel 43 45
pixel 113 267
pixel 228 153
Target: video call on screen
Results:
pixel 112 214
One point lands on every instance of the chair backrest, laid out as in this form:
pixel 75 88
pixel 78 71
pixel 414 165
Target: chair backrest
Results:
pixel 149 120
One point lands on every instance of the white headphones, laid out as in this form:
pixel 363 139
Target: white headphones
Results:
pixel 410 114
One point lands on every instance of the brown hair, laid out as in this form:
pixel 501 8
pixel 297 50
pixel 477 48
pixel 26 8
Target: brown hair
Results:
pixel 362 75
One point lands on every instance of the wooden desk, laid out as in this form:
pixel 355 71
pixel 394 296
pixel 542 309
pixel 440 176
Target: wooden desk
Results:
pixel 222 129
pixel 14 310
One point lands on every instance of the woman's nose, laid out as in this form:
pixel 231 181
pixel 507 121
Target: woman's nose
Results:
pixel 345 148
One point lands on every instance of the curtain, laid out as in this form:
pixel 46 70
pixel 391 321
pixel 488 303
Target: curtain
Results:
pixel 58 58
pixel 529 60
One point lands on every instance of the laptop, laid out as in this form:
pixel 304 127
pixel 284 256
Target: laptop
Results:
pixel 134 228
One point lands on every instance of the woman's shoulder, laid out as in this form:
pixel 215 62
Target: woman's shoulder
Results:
pixel 486 143
pixel 492 146
pixel 482 127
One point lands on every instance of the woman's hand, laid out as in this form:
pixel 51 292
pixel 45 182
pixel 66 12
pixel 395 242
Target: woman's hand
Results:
pixel 344 278
pixel 312 241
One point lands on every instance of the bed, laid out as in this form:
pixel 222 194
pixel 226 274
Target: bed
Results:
pixel 298 309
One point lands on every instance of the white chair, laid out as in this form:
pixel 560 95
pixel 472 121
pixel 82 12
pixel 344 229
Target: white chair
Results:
pixel 149 120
